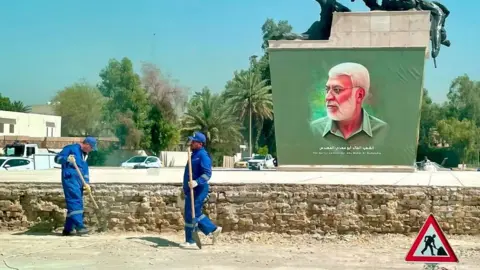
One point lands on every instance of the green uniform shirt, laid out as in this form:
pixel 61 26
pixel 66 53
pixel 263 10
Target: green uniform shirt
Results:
pixel 372 132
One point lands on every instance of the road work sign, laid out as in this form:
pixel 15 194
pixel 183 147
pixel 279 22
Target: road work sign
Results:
pixel 431 245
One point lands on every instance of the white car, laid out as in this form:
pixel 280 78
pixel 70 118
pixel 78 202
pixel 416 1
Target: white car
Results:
pixel 16 164
pixel 259 162
pixel 142 162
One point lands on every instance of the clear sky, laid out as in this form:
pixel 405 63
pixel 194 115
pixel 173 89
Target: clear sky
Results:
pixel 47 45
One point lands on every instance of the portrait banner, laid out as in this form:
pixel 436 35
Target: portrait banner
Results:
pixel 347 106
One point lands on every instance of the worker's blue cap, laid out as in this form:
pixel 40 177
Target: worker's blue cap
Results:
pixel 92 142
pixel 198 137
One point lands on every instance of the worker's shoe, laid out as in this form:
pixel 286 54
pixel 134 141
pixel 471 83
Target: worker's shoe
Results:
pixel 216 234
pixel 83 231
pixel 67 233
pixel 188 245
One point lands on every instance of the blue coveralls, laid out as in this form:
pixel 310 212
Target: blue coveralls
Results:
pixel 73 185
pixel 201 172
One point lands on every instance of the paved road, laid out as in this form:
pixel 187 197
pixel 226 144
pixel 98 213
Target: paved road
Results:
pixel 174 175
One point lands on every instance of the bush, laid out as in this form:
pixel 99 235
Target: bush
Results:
pixel 263 150
pixel 99 157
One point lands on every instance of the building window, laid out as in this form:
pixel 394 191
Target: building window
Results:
pixel 50 128
pixel 50 131
pixel 7 121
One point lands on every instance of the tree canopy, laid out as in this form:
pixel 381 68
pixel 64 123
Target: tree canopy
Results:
pixel 81 108
pixel 14 106
pixel 151 111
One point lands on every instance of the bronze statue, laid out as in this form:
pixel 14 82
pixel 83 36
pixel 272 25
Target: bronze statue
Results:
pixel 321 29
pixel 438 34
pixel 438 13
pixel 390 5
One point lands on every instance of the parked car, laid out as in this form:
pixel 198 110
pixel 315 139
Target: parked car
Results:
pixel 242 163
pixel 260 162
pixel 16 164
pixel 137 162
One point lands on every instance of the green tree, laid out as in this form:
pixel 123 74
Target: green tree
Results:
pixel 464 99
pixel 274 31
pixel 271 30
pixel 14 106
pixel 18 106
pixel 462 135
pixel 81 106
pixel 127 105
pixel 430 114
pixel 250 96
pixel 4 103
pixel 263 150
pixel 163 134
pixel 209 113
pixel 167 100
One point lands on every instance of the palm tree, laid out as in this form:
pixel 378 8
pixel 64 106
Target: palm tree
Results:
pixel 18 106
pixel 209 113
pixel 248 94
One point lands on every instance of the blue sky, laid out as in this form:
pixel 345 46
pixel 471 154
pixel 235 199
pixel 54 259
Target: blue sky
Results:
pixel 47 45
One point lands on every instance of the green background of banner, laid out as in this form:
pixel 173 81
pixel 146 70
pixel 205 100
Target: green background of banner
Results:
pixel 298 83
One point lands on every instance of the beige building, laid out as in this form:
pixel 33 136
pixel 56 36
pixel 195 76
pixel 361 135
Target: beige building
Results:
pixel 43 109
pixel 29 124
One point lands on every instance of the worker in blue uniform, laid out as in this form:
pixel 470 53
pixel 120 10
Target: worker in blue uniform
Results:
pixel 201 174
pixel 73 187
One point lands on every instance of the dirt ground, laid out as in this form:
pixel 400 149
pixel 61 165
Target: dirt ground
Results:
pixel 246 252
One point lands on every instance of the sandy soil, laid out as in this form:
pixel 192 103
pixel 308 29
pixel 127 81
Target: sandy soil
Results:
pixel 246 252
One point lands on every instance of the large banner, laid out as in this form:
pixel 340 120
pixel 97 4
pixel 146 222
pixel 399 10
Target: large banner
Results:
pixel 347 106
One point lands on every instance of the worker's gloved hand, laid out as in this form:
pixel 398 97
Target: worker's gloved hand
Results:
pixel 86 188
pixel 193 184
pixel 71 159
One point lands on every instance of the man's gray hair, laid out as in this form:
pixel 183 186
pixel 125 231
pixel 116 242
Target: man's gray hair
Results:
pixel 358 74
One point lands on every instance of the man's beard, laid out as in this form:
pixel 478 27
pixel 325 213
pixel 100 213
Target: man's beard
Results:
pixel 344 111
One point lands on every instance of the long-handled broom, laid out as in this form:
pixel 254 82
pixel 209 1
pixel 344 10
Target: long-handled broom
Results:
pixel 195 235
pixel 100 216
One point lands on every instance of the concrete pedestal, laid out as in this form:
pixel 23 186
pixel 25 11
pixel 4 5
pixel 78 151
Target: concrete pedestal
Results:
pixel 379 29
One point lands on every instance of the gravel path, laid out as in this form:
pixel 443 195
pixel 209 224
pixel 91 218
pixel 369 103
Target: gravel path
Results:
pixel 246 252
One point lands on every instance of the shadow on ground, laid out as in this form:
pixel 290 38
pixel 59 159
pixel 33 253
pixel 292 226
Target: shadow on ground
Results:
pixel 41 229
pixel 34 233
pixel 158 241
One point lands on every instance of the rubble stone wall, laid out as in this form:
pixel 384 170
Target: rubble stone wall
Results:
pixel 278 208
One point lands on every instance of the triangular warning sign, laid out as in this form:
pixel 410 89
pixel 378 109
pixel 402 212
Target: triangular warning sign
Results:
pixel 431 245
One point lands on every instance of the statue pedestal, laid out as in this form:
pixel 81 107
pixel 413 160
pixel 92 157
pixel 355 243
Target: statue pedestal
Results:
pixel 395 43
pixel 376 29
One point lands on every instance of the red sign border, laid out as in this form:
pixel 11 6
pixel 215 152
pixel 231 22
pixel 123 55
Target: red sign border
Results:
pixel 421 235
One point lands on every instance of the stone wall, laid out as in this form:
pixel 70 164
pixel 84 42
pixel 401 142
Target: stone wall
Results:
pixel 278 208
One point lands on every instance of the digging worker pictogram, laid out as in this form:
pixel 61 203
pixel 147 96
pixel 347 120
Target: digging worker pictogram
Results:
pixel 429 243
pixel 73 187
pixel 201 174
